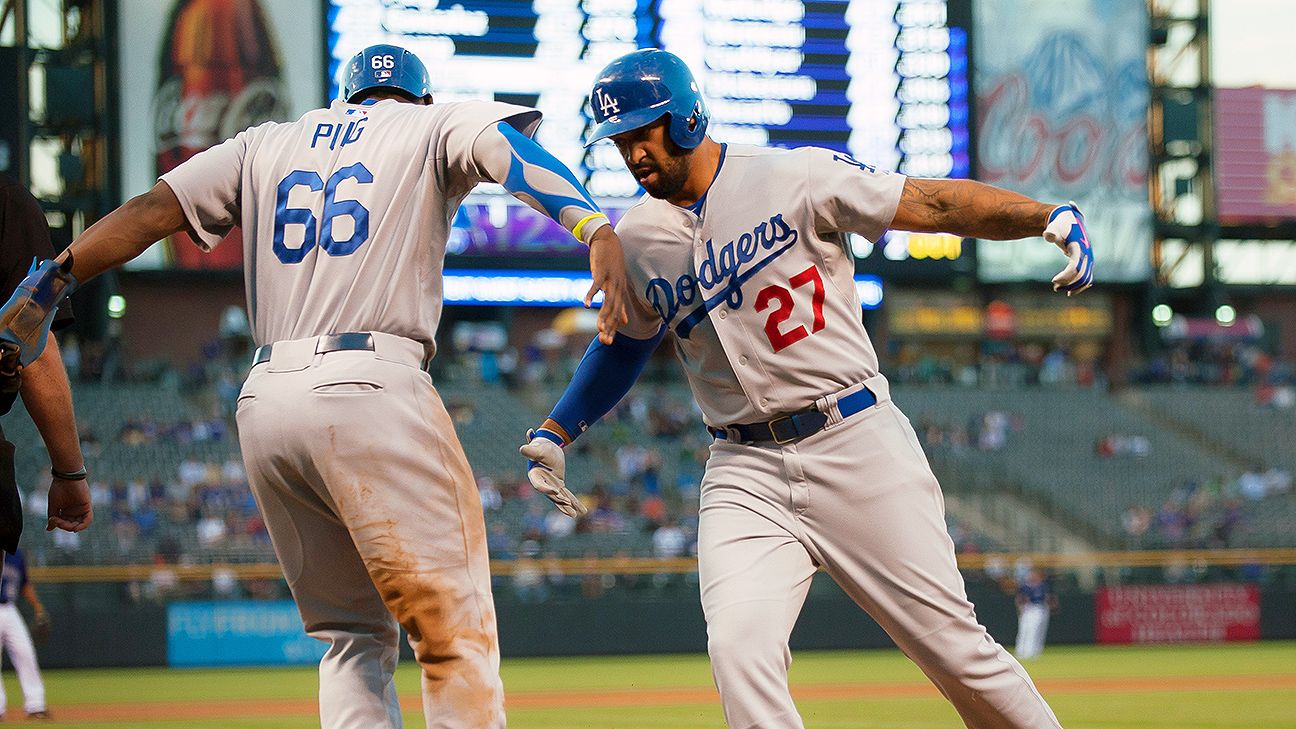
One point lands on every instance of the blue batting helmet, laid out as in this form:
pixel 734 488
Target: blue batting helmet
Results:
pixel 641 87
pixel 384 66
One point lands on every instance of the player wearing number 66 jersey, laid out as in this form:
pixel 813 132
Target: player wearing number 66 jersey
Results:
pixel 369 500
pixel 738 252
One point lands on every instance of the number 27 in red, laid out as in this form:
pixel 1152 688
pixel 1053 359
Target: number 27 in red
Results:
pixel 783 297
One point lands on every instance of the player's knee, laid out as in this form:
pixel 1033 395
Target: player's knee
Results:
pixel 958 650
pixel 744 639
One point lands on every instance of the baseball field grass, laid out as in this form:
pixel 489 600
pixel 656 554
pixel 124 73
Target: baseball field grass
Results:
pixel 1251 686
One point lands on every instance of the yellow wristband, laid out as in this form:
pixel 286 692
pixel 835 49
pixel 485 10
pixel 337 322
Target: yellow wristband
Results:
pixel 576 231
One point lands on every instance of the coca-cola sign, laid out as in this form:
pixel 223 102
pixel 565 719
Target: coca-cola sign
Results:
pixel 218 74
pixel 1061 98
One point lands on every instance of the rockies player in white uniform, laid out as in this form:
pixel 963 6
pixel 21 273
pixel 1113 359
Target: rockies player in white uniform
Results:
pixel 738 252
pixel 354 462
pixel 16 641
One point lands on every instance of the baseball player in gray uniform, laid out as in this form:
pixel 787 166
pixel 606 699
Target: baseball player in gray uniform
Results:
pixel 369 500
pixel 739 253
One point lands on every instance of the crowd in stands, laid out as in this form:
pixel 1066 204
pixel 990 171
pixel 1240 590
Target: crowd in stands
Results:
pixel 995 364
pixel 202 507
pixel 1203 513
pixel 1215 363
pixel 645 462
pixel 988 431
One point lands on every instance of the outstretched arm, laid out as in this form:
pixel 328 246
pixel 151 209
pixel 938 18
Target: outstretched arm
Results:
pixel 604 376
pixel 968 208
pixel 977 210
pixel 126 232
pixel 534 176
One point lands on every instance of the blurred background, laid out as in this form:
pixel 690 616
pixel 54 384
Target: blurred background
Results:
pixel 1135 444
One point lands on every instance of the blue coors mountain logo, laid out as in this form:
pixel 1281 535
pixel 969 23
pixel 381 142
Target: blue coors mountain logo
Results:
pixel 721 270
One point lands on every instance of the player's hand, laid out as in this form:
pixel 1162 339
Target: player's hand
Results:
pixel 26 317
pixel 10 367
pixel 69 505
pixel 1066 230
pixel 546 467
pixel 607 264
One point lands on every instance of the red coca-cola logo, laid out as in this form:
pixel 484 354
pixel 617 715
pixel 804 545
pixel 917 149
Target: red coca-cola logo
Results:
pixel 218 74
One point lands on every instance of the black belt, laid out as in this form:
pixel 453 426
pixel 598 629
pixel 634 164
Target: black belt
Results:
pixel 796 426
pixel 360 341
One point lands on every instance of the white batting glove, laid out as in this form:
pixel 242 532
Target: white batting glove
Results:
pixel 1066 230
pixel 546 467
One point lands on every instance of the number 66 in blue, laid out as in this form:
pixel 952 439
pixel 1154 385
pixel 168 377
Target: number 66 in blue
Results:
pixel 304 217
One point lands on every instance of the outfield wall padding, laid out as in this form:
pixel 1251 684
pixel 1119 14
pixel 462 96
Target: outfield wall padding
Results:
pixel 94 634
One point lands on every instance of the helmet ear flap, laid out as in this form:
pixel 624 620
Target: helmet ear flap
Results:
pixel 688 131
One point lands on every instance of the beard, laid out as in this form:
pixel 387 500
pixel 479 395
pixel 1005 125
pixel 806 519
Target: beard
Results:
pixel 670 175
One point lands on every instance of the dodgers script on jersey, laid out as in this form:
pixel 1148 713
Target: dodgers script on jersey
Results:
pixel 367 226
pixel 766 317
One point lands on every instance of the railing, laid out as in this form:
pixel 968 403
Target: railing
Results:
pixel 645 565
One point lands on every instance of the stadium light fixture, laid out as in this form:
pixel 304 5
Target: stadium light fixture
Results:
pixel 1161 315
pixel 116 306
pixel 1225 315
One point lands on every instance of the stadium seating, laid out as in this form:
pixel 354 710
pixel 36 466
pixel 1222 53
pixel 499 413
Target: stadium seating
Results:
pixel 1043 454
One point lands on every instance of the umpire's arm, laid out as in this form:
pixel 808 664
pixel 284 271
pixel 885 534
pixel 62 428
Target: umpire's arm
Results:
pixel 126 232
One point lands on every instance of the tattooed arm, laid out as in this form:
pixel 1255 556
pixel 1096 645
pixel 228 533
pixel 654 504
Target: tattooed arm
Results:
pixel 976 210
pixel 967 208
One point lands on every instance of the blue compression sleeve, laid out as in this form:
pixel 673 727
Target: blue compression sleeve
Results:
pixel 604 376
pixel 534 176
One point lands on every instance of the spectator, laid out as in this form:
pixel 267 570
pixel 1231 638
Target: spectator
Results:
pixel 490 496
pixel 528 577
pixel 669 541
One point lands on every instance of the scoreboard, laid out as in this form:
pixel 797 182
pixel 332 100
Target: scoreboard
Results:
pixel 884 80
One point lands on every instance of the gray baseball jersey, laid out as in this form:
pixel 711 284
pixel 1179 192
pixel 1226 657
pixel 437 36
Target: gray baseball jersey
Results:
pixel 381 237
pixel 367 495
pixel 765 311
pixel 757 285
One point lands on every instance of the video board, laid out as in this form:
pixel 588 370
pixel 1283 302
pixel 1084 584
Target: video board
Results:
pixel 884 80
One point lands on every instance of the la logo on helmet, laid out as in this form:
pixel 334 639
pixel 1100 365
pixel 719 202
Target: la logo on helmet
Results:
pixel 607 104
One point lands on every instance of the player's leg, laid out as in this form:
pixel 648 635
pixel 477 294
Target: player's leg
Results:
pixel 877 521
pixel 1041 630
pixel 8 614
pixel 328 580
pixel 400 481
pixel 754 576
pixel 22 654
pixel 1028 631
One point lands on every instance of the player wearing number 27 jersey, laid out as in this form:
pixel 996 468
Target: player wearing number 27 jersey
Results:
pixel 365 490
pixel 739 254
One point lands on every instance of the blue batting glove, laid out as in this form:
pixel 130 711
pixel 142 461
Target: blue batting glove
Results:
pixel 1066 230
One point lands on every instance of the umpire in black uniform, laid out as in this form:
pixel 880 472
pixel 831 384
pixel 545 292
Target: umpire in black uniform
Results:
pixel 43 384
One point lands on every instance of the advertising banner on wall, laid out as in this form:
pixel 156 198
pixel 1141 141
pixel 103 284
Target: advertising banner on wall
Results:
pixel 1061 100
pixel 238 633
pixel 1255 155
pixel 195 73
pixel 1178 613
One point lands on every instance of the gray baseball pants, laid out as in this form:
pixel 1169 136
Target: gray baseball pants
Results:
pixel 376 520
pixel 859 500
